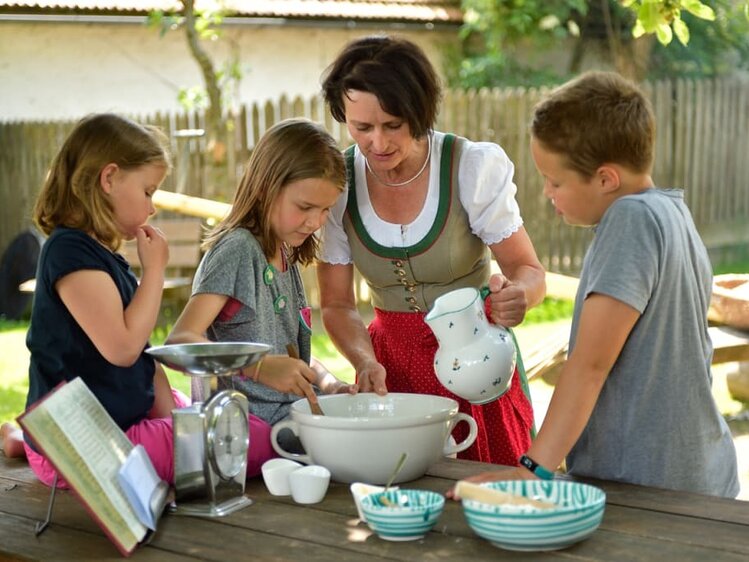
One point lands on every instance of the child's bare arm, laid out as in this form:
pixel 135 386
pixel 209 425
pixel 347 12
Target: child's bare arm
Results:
pixel 199 313
pixel 93 299
pixel 163 401
pixel 328 382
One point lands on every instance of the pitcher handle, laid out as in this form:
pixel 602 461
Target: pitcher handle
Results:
pixel 294 427
pixel 473 431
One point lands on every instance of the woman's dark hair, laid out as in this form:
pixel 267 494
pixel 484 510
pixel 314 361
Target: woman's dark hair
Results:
pixel 395 70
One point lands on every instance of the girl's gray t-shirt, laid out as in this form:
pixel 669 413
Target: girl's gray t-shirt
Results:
pixel 655 422
pixel 236 267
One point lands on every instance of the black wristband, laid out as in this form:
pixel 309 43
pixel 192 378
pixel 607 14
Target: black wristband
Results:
pixel 536 468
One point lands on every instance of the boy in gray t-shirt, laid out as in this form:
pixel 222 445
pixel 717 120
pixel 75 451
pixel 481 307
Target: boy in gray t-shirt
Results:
pixel 633 402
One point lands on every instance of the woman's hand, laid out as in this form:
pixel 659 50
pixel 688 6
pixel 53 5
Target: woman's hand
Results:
pixel 340 387
pixel 507 301
pixel 371 377
pixel 328 382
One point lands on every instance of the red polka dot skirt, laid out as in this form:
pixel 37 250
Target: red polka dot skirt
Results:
pixel 405 345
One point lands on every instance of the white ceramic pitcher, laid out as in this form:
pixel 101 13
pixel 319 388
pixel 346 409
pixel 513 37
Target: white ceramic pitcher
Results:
pixel 475 359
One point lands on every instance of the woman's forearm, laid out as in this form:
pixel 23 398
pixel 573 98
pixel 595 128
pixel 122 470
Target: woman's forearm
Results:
pixel 348 333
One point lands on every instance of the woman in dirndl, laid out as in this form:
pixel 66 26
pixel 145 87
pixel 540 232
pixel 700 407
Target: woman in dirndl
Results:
pixel 422 215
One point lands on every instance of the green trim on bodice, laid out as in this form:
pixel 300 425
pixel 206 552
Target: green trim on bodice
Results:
pixel 352 207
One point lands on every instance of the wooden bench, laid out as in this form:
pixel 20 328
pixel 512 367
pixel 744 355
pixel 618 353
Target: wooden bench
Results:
pixel 546 358
pixel 184 237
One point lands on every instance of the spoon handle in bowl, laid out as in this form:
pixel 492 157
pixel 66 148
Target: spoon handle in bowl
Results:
pixel 470 491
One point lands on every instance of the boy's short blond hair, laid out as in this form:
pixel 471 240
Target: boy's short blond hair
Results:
pixel 597 118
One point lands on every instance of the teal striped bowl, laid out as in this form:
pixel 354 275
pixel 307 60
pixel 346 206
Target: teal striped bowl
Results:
pixel 515 527
pixel 402 515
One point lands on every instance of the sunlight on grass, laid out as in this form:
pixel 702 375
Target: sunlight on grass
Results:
pixel 14 369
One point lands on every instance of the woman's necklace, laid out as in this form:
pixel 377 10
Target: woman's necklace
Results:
pixel 401 184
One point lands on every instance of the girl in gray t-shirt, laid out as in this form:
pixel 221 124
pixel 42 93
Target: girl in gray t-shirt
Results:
pixel 248 286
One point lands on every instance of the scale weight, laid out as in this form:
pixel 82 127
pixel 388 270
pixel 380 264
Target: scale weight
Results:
pixel 211 438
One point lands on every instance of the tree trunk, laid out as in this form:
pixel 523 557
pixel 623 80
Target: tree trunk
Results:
pixel 216 126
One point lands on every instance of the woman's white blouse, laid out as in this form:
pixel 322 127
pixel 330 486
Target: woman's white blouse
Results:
pixel 486 191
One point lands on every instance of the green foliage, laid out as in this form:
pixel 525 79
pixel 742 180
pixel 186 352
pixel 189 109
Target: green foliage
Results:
pixel 11 325
pixel 499 71
pixel 494 29
pixel 736 267
pixel 664 18
pixel 715 47
pixel 503 22
pixel 227 77
pixel 208 22
pixel 549 311
pixel 192 98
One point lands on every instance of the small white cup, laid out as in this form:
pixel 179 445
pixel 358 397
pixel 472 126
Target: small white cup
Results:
pixel 276 475
pixel 309 484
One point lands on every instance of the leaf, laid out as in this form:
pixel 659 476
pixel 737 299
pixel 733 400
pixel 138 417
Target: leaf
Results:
pixel 664 33
pixel 697 8
pixel 638 30
pixel 549 22
pixel 573 28
pixel 627 3
pixel 649 16
pixel 681 30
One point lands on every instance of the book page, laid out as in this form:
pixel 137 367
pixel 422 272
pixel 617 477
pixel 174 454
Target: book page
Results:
pixel 88 448
pixel 142 486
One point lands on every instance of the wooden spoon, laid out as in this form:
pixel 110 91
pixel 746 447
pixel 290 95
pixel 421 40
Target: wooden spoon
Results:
pixel 313 406
pixel 471 491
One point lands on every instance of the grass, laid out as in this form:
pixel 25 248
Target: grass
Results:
pixel 14 365
pixel 540 322
pixel 14 356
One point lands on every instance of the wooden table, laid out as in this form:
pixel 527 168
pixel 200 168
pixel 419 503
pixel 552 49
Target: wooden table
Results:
pixel 639 524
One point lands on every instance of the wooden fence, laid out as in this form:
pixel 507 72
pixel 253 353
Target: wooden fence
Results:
pixel 702 146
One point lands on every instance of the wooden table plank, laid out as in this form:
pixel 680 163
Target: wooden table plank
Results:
pixel 639 524
pixel 729 344
pixel 59 542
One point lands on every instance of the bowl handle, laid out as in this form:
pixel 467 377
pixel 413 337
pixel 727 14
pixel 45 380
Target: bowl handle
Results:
pixel 451 449
pixel 294 427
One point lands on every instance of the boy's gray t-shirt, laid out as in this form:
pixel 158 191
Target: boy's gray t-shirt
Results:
pixel 656 422
pixel 234 266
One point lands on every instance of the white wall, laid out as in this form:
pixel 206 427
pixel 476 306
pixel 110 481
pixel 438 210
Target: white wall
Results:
pixel 66 70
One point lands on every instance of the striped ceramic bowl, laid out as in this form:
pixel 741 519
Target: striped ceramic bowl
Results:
pixel 519 527
pixel 402 515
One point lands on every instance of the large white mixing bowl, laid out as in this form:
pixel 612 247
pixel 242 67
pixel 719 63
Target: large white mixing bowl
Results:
pixel 361 438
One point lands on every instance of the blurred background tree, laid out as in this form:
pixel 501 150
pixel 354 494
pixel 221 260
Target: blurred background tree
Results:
pixel 217 95
pixel 504 41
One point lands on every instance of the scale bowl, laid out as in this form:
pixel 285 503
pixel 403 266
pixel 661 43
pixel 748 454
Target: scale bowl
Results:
pixel 209 359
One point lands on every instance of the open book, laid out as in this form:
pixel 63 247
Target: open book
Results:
pixel 72 429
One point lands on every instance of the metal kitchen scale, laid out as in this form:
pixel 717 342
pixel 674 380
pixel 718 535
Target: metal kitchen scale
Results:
pixel 211 438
